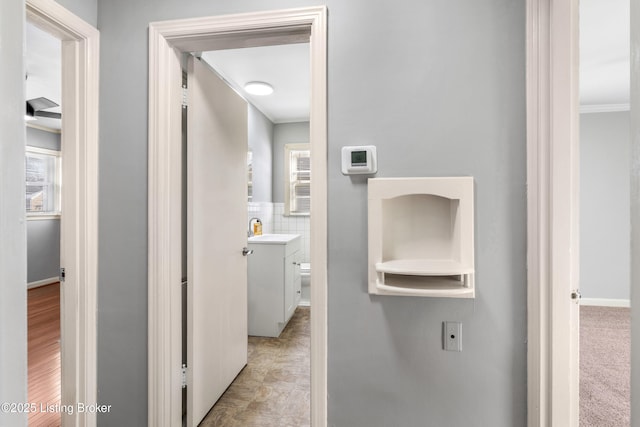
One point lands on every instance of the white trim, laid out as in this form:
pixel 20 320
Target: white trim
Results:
pixel 634 156
pixel 166 41
pixel 552 209
pixel 79 233
pixel 604 108
pixel 605 302
pixel 43 282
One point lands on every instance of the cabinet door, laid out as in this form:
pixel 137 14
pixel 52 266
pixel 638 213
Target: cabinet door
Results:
pixel 297 282
pixel 291 270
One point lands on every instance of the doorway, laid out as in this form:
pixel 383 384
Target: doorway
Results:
pixel 605 213
pixel 43 176
pixel 78 228
pixel 167 41
pixel 552 195
pixel 274 385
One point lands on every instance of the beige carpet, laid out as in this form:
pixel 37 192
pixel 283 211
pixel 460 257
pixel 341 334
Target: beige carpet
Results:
pixel 605 366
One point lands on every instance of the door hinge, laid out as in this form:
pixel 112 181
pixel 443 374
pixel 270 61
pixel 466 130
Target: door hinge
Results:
pixel 184 375
pixel 62 274
pixel 184 96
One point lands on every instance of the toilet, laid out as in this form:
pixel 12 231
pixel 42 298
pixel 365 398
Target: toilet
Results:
pixel 305 275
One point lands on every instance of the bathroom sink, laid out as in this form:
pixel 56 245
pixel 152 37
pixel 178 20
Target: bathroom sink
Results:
pixel 273 238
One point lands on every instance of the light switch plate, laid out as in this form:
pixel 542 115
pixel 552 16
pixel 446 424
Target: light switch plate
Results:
pixel 452 336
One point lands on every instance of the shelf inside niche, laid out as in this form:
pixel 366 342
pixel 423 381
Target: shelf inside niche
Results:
pixel 423 267
pixel 421 237
pixel 425 286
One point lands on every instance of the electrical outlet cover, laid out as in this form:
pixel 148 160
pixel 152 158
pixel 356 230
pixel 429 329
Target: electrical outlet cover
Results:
pixel 452 336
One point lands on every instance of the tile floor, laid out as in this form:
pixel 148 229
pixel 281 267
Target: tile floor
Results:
pixel 274 388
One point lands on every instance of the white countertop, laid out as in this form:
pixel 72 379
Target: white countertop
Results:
pixel 273 239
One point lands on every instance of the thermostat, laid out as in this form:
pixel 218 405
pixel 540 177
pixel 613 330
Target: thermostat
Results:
pixel 360 159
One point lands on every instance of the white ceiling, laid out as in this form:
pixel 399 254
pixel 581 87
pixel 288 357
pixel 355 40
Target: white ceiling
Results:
pixel 285 67
pixel 604 52
pixel 604 66
pixel 44 71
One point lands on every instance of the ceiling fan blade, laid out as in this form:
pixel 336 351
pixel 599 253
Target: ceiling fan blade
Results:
pixel 49 114
pixel 41 103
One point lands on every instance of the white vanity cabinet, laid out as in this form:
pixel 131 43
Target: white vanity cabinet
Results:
pixel 274 282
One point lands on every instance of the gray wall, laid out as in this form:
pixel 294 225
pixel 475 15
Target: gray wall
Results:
pixel 261 143
pixel 13 249
pixel 43 235
pixel 439 88
pixel 440 92
pixel 85 9
pixel 43 139
pixel 635 211
pixel 604 205
pixel 43 249
pixel 285 133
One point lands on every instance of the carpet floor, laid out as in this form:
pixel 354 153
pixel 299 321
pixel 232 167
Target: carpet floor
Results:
pixel 605 366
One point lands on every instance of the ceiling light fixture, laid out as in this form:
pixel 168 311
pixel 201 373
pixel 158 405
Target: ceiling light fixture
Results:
pixel 258 88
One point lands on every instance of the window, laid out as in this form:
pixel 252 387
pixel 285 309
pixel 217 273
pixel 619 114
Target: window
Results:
pixel 42 170
pixel 297 172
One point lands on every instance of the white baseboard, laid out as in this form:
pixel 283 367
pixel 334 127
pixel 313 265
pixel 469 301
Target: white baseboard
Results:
pixel 606 302
pixel 304 303
pixel 42 282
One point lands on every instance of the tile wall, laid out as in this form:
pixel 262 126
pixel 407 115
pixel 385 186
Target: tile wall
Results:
pixel 274 221
pixel 264 211
pixel 293 225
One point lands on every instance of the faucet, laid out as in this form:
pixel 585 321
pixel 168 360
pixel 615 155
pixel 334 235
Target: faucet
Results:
pixel 250 232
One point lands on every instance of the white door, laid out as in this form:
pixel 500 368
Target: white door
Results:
pixel 216 235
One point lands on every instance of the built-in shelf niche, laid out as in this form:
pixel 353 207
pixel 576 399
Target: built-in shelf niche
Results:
pixel 421 237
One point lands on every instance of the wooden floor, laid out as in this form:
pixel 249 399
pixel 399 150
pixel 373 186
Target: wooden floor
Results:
pixel 274 388
pixel 43 311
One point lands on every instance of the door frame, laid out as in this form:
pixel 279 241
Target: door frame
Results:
pixel 167 41
pixel 79 223
pixel 552 212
